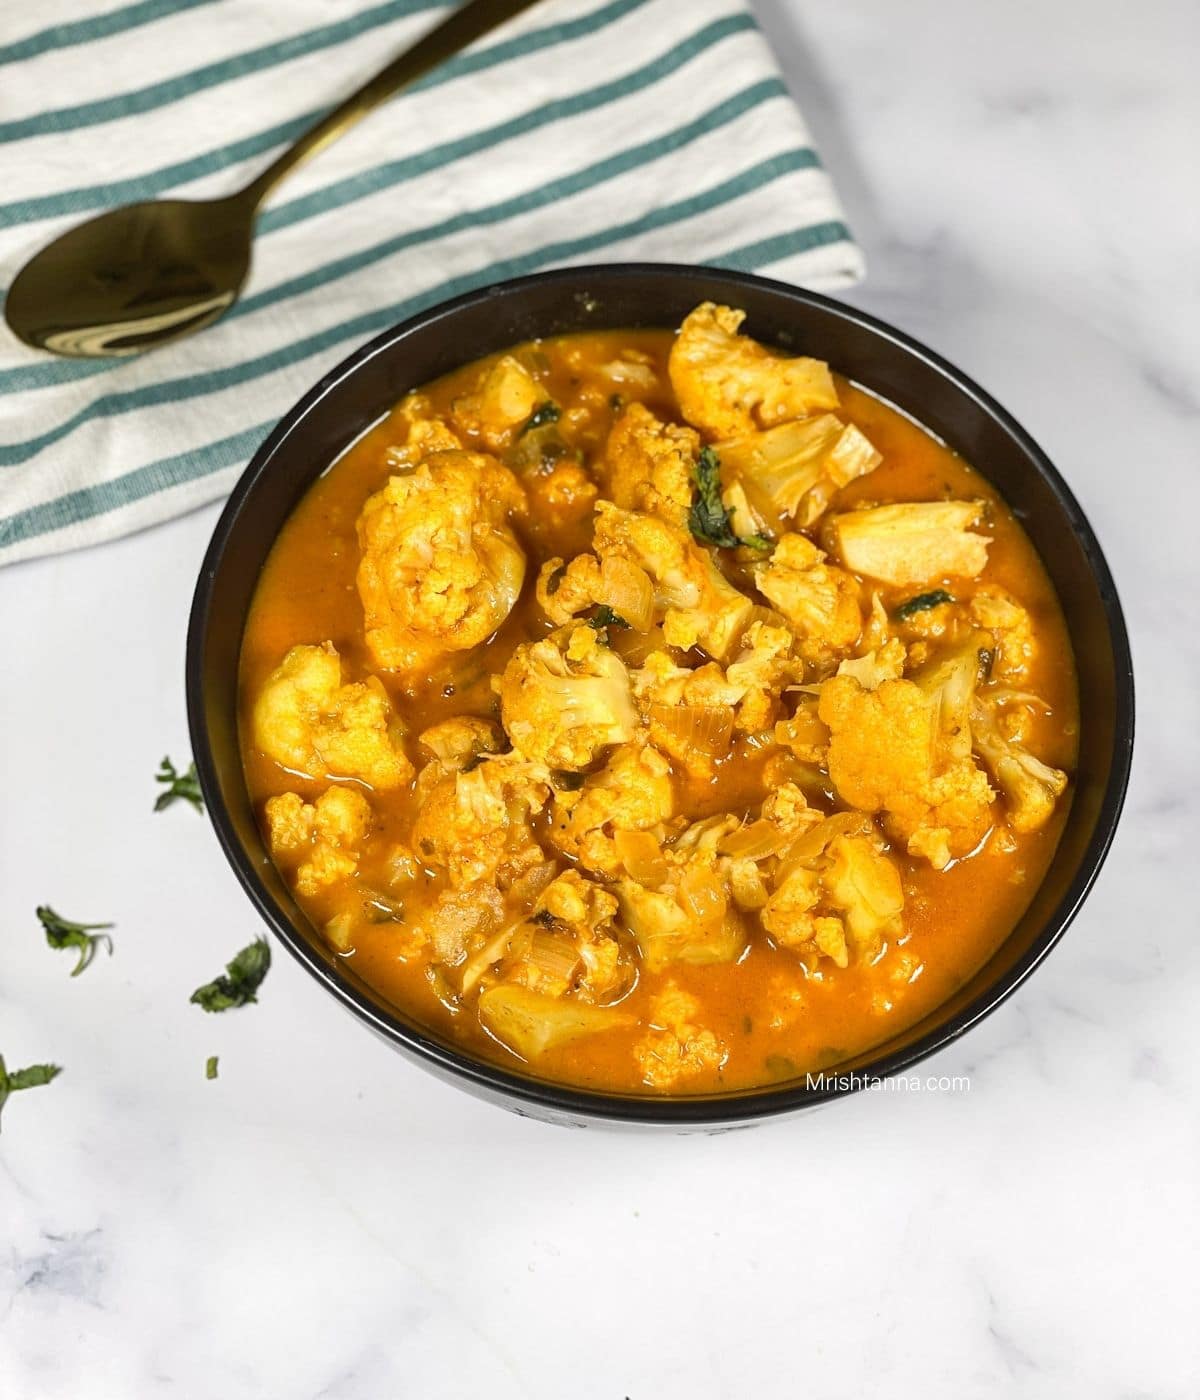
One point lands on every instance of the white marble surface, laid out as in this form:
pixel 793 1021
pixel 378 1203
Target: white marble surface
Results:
pixel 328 1221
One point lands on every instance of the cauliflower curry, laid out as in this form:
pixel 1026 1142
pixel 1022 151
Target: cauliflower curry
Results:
pixel 657 712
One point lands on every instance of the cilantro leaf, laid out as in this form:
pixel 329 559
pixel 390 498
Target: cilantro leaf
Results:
pixel 177 785
pixel 64 933
pixel 922 603
pixel 708 520
pixel 210 1067
pixel 241 980
pixel 605 617
pixel 31 1077
pixel 549 412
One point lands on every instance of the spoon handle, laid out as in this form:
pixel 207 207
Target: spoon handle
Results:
pixel 468 23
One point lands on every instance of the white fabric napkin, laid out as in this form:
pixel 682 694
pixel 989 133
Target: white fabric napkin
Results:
pixel 587 131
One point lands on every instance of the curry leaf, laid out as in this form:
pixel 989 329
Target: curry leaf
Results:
pixel 177 785
pixel 64 933
pixel 241 980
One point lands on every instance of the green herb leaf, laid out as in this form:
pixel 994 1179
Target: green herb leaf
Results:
pixel 549 412
pixel 63 933
pixel 922 603
pixel 564 780
pixel 31 1077
pixel 177 785
pixel 210 1067
pixel 605 617
pixel 242 979
pixel 708 520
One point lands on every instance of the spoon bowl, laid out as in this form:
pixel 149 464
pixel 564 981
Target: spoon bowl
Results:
pixel 135 277
pixel 149 273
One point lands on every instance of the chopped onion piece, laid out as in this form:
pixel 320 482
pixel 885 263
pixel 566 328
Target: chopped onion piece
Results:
pixel 812 843
pixel 754 842
pixel 556 957
pixel 702 894
pixel 641 856
pixel 478 963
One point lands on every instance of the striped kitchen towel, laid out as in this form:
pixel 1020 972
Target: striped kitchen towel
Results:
pixel 586 131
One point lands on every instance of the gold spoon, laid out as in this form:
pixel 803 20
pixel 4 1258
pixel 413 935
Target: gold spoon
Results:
pixel 148 273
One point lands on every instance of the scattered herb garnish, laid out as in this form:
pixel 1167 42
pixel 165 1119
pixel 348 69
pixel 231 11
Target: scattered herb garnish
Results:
pixel 31 1077
pixel 708 519
pixel 243 977
pixel 178 785
pixel 549 412
pixel 922 603
pixel 554 582
pixel 63 933
pixel 605 617
pixel 210 1067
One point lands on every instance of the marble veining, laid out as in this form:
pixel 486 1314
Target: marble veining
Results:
pixel 327 1221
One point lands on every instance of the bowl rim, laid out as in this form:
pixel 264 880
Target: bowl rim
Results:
pixel 537 1097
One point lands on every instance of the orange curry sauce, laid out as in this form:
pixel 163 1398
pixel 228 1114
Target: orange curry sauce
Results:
pixel 776 1019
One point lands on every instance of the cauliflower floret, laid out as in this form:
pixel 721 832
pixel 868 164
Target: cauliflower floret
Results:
pixel 702 608
pixel 643 566
pixel 788 811
pixel 1011 626
pixel 676 1047
pixel 328 832
pixel 693 713
pixel 615 583
pixel 1030 787
pixel 423 434
pixel 570 945
pixel 683 912
pixel 440 568
pixel 799 466
pixel 874 667
pixel 765 662
pixel 913 543
pixel 309 722
pixel 455 742
pixel 818 600
pixel 565 698
pixel 475 824
pixel 728 384
pixel 649 464
pixel 507 398
pixel 632 792
pixel 904 749
pixel 839 896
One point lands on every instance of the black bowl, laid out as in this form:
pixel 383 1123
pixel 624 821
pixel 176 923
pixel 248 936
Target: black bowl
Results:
pixel 366 385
